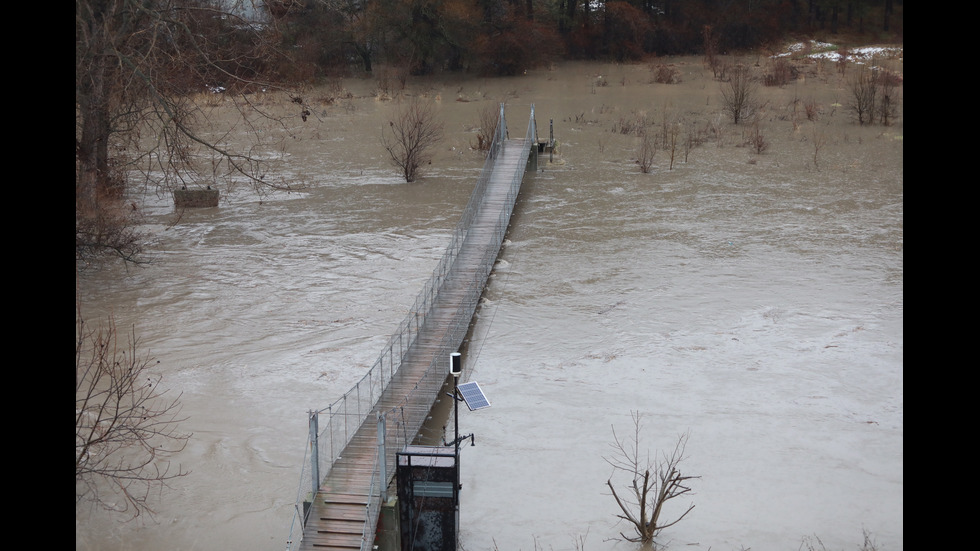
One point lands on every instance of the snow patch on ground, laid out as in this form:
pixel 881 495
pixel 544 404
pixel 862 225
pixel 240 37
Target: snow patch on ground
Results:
pixel 815 49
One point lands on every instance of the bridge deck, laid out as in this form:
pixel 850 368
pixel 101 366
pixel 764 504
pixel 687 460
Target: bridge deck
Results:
pixel 342 506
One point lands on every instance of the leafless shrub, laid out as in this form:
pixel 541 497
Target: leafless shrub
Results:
pixel 668 118
pixel 126 428
pixel 874 95
pixel 107 230
pixel 717 130
pixel 330 94
pixel 720 70
pixel 666 74
pixel 673 131
pixel 401 75
pixel 653 483
pixel 887 107
pixel 818 139
pixel 696 136
pixel 811 109
pixel 599 82
pixel 756 139
pixel 813 543
pixel 864 92
pixel 699 134
pixel 779 72
pixel 646 151
pixel 843 56
pixel 870 544
pixel 489 118
pixel 384 84
pixel 738 94
pixel 633 125
pixel 582 119
pixel 410 137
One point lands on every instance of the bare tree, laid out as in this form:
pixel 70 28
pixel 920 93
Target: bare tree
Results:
pixel 864 95
pixel 653 482
pixel 141 71
pixel 126 428
pixel 874 95
pixel 738 93
pixel 410 137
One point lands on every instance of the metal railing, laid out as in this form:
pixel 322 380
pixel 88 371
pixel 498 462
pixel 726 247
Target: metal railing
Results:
pixel 398 426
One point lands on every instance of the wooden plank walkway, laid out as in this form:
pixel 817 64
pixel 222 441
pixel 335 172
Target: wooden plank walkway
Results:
pixel 339 512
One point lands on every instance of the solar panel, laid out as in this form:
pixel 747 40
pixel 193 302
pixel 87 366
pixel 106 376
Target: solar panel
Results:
pixel 473 395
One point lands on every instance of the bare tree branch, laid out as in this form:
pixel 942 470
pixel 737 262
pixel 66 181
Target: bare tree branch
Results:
pixel 126 427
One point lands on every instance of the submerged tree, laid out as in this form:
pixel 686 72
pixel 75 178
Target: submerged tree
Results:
pixel 738 93
pixel 126 427
pixel 410 137
pixel 874 95
pixel 653 482
pixel 646 151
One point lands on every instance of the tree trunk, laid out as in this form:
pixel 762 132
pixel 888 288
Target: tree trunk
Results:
pixel 365 53
pixel 92 148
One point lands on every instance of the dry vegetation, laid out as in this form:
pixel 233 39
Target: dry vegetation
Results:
pixel 863 91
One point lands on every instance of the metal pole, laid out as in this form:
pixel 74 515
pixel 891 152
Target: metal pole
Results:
pixel 534 144
pixel 382 461
pixel 314 451
pixel 456 464
pixel 456 439
pixel 456 369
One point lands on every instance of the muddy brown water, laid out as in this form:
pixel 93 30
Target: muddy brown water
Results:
pixel 753 301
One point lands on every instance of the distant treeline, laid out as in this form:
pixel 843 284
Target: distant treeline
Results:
pixel 506 37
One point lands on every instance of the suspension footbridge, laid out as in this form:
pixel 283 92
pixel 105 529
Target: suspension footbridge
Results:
pixel 354 441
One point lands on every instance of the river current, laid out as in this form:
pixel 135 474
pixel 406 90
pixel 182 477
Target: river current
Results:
pixel 753 302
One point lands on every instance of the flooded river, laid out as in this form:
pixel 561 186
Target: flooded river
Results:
pixel 751 301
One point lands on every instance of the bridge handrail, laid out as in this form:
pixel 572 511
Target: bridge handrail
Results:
pixel 346 414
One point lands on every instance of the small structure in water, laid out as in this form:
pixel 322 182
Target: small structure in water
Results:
pixel 195 198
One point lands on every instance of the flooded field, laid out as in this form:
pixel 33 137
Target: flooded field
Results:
pixel 753 301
